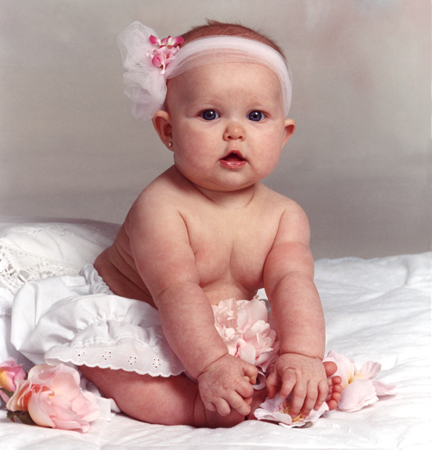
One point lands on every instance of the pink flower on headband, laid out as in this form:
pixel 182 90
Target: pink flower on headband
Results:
pixel 165 51
pixel 168 42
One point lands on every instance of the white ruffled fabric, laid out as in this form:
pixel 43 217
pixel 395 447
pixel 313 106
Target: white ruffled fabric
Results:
pixel 78 320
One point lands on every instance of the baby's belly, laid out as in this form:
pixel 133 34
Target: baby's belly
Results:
pixel 220 291
pixel 125 281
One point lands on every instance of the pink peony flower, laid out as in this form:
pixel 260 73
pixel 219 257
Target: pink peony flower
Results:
pixel 277 410
pixel 244 327
pixel 359 387
pixel 53 398
pixel 10 373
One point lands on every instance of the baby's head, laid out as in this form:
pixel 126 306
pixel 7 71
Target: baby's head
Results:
pixel 229 92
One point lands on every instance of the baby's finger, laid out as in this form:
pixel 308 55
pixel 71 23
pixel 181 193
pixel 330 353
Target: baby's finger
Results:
pixel 298 397
pixel 244 389
pixel 251 372
pixel 236 402
pixel 323 390
pixel 289 380
pixel 310 400
pixel 272 384
pixel 222 407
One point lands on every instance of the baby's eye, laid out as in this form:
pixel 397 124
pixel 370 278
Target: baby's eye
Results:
pixel 209 114
pixel 256 116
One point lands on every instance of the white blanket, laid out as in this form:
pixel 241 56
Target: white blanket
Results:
pixel 375 310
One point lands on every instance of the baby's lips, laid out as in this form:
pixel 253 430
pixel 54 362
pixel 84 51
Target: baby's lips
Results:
pixel 233 160
pixel 234 155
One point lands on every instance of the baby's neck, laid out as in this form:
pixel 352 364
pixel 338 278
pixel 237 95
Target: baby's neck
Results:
pixel 231 199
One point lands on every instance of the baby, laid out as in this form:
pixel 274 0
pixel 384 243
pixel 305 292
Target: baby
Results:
pixel 207 229
pixel 204 231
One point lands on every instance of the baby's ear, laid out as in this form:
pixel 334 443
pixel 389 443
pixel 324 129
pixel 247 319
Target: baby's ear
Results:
pixel 289 129
pixel 162 124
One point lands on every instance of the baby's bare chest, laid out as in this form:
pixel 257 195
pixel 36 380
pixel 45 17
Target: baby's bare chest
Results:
pixel 232 249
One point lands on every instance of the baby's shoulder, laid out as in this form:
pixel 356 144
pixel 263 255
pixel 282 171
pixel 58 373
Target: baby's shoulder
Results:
pixel 163 198
pixel 278 202
pixel 165 189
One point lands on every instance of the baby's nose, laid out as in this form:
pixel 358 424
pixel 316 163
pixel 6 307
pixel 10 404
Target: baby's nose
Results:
pixel 234 131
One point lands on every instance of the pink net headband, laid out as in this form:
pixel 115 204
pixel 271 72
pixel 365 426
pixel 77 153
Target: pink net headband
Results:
pixel 150 61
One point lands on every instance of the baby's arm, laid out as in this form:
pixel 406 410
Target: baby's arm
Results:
pixel 298 315
pixel 166 263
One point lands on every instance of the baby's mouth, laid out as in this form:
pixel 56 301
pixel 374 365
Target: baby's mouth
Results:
pixel 233 160
pixel 233 156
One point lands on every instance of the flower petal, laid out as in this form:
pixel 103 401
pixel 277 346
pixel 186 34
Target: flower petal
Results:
pixel 369 370
pixel 273 410
pixel 357 395
pixel 384 389
pixel 10 373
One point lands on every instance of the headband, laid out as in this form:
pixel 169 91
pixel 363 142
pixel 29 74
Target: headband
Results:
pixel 150 62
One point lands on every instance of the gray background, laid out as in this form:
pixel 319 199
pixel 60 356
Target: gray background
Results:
pixel 358 162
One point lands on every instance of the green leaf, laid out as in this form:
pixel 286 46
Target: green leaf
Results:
pixel 8 393
pixel 20 416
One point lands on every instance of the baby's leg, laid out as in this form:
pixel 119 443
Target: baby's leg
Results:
pixel 166 401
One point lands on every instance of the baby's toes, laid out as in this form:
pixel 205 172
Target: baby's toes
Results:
pixel 334 396
pixel 334 381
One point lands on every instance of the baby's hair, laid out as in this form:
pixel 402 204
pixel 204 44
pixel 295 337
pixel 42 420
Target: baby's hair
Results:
pixel 214 28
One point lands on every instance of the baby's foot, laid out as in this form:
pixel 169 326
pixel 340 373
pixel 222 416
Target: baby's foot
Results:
pixel 334 383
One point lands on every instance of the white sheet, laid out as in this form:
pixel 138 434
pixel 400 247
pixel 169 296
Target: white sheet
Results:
pixel 375 310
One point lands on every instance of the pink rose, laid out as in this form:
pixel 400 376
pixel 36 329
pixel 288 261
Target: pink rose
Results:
pixel 10 373
pixel 53 398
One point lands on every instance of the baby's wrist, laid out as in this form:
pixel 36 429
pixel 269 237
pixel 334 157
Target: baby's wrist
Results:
pixel 302 354
pixel 208 362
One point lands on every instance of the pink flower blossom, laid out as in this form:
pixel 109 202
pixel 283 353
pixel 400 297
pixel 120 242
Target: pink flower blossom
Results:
pixel 244 327
pixel 168 42
pixel 277 410
pixel 53 398
pixel 10 373
pixel 165 51
pixel 359 387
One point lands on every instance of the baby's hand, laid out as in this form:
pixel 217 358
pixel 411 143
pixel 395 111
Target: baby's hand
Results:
pixel 304 377
pixel 227 383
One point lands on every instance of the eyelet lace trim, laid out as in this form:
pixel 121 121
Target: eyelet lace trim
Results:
pixel 122 355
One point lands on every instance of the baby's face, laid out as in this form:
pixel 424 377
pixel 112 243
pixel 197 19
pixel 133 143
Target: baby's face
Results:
pixel 228 124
